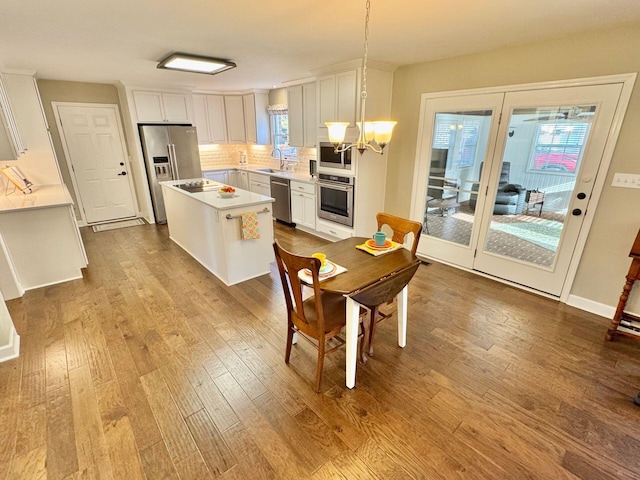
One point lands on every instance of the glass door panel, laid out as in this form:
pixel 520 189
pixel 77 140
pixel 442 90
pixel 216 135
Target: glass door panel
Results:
pixel 458 147
pixel 543 152
pixel 455 143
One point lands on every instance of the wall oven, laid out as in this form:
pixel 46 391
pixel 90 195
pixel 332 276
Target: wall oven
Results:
pixel 328 158
pixel 335 198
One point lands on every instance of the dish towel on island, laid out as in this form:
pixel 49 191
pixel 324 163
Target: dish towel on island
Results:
pixel 250 228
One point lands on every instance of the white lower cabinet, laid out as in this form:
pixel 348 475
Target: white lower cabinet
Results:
pixel 221 176
pixel 333 229
pixel 303 204
pixel 243 179
pixel 259 183
pixel 232 178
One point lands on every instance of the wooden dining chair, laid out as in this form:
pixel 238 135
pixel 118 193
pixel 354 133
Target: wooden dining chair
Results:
pixel 318 318
pixel 400 227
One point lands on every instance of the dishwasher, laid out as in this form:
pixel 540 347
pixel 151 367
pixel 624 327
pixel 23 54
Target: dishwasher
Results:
pixel 281 192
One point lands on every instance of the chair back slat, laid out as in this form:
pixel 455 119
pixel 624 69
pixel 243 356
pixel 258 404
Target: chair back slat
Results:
pixel 400 227
pixel 289 266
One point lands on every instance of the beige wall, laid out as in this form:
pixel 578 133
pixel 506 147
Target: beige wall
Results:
pixel 76 92
pixel 605 260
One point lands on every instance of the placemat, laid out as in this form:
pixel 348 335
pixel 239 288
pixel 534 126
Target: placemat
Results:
pixel 307 278
pixel 379 251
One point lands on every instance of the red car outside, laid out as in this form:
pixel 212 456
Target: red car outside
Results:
pixel 556 162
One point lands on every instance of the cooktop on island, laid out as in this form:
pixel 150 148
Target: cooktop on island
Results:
pixel 199 186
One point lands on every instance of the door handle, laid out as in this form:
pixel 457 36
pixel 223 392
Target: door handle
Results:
pixel 122 173
pixel 576 212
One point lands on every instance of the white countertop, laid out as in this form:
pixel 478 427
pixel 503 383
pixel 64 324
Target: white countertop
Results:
pixel 298 177
pixel 43 196
pixel 242 198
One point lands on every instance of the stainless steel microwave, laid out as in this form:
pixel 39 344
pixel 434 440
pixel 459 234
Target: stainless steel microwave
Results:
pixel 328 157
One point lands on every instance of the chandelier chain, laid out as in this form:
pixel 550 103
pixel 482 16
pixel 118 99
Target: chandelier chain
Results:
pixel 363 94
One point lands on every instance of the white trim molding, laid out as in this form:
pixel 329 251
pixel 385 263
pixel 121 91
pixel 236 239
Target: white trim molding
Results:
pixel 590 306
pixel 12 348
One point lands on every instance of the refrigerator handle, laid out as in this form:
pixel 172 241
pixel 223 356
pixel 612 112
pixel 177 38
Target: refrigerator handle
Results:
pixel 174 163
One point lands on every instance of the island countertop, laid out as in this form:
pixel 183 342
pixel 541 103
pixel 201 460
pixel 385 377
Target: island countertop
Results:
pixel 242 198
pixel 43 196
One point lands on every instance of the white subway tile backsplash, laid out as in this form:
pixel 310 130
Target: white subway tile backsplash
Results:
pixel 216 156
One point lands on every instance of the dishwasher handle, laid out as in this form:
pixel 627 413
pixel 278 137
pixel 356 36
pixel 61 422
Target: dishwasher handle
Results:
pixel 279 183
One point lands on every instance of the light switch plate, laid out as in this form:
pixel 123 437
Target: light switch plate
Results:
pixel 626 180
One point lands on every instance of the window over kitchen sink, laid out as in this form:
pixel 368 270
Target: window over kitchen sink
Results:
pixel 280 132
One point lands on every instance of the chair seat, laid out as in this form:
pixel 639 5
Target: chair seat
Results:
pixel 333 307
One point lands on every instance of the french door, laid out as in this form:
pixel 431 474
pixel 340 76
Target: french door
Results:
pixel 503 180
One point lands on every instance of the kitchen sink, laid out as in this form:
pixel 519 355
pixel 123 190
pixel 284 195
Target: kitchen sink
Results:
pixel 267 170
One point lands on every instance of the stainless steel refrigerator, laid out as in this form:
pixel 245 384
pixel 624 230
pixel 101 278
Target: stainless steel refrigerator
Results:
pixel 170 153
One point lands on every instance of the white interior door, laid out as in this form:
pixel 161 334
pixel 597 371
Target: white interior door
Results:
pixel 95 149
pixel 503 180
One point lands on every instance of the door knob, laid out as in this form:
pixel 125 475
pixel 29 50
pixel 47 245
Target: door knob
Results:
pixel 582 196
pixel 122 164
pixel 123 173
pixel 576 212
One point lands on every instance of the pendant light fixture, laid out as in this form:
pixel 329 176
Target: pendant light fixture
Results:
pixel 379 131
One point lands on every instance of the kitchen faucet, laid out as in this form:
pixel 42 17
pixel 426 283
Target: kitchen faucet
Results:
pixel 279 156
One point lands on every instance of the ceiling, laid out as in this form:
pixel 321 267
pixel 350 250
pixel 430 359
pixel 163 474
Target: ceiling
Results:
pixel 273 42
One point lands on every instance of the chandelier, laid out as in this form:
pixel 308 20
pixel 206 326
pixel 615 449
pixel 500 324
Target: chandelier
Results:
pixel 379 131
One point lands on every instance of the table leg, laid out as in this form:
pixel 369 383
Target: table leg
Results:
pixel 402 316
pixel 351 334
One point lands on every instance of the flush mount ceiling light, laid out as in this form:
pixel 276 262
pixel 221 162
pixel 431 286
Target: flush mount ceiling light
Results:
pixel 195 64
pixel 379 131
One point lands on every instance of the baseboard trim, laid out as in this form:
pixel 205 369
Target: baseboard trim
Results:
pixel 591 306
pixel 12 349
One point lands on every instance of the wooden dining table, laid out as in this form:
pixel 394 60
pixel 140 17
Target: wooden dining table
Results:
pixel 365 273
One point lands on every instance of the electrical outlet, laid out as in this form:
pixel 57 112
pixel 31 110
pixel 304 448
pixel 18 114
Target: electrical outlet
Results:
pixel 626 180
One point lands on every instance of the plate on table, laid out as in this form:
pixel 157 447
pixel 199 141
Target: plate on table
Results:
pixel 328 269
pixel 372 244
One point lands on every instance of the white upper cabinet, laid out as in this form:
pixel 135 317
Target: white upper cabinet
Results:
pixel 210 118
pixel 38 162
pixel 232 118
pixel 256 118
pixel 234 109
pixel 296 116
pixel 301 101
pixel 338 97
pixel 161 107
pixel 11 144
pixel 249 106
pixel 309 111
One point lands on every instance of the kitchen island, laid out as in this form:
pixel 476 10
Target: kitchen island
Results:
pixel 209 228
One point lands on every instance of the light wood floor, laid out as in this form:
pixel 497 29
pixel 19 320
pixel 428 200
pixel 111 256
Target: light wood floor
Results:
pixel 150 368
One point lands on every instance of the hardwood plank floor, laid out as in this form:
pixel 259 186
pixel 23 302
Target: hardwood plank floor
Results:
pixel 149 368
